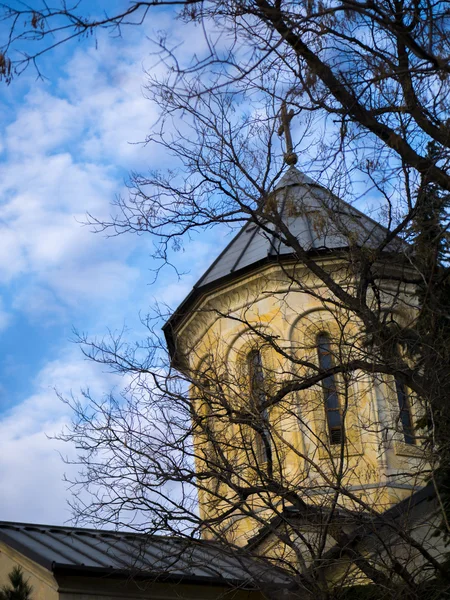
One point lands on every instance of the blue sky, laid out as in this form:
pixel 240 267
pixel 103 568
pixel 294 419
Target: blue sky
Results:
pixel 66 146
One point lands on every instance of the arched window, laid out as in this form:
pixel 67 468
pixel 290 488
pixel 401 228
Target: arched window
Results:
pixel 405 413
pixel 209 449
pixel 330 395
pixel 258 397
pixel 205 391
pixel 205 408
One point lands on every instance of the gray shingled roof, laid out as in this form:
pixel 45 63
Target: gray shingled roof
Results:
pixel 317 218
pixel 59 548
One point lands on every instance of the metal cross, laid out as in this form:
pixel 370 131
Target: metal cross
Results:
pixel 290 158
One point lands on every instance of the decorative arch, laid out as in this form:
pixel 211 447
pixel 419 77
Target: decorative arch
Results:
pixel 253 364
pixel 330 408
pixel 302 317
pixel 246 338
pixel 401 409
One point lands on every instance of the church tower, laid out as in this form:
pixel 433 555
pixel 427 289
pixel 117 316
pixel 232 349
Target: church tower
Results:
pixel 288 414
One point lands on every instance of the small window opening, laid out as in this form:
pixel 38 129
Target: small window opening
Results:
pixel 330 396
pixel 258 396
pixel 208 412
pixel 405 413
pixel 210 448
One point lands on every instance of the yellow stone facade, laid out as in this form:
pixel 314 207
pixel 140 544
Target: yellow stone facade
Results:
pixel 281 309
pixel 42 581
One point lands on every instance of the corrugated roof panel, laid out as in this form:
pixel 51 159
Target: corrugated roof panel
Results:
pixel 25 538
pixel 76 547
pixel 98 552
pixel 69 549
pixel 167 556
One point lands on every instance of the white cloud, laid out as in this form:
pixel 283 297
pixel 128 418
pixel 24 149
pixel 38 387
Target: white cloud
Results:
pixel 44 123
pixel 65 152
pixel 62 149
pixel 5 317
pixel 192 262
pixel 31 468
pixel 106 85
pixel 42 237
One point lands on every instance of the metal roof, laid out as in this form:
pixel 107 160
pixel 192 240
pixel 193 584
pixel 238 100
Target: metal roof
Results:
pixel 70 548
pixel 367 524
pixel 318 219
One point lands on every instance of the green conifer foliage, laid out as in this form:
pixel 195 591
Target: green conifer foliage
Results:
pixel 432 258
pixel 19 589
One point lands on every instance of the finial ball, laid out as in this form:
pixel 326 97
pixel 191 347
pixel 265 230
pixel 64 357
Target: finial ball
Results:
pixel 290 158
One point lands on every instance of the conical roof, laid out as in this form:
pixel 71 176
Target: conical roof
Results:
pixel 319 220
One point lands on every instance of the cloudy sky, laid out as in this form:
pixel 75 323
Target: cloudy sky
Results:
pixel 67 143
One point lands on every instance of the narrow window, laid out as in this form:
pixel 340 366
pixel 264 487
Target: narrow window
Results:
pixel 405 413
pixel 330 396
pixel 205 392
pixel 258 396
pixel 211 455
pixel 207 420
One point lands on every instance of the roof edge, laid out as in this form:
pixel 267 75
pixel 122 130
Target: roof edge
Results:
pixel 26 552
pixel 183 310
pixel 80 570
